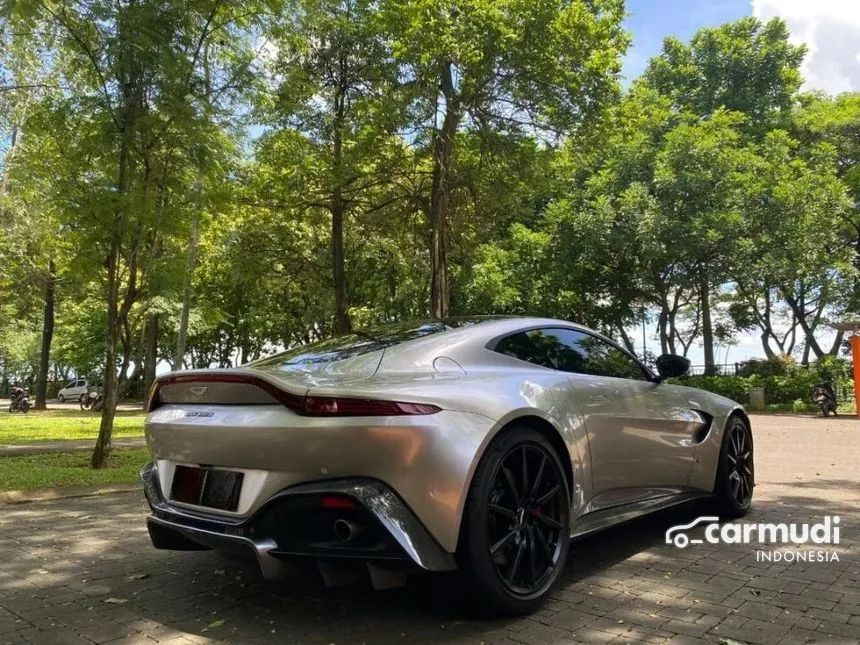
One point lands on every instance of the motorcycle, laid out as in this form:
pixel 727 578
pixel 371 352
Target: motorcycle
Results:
pixel 19 401
pixel 824 397
pixel 92 400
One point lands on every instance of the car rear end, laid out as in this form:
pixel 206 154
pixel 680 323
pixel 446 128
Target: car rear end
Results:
pixel 253 460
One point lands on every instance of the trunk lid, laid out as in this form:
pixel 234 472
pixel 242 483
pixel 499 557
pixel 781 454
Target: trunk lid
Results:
pixel 265 384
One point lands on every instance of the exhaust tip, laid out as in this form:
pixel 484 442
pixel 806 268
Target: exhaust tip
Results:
pixel 345 531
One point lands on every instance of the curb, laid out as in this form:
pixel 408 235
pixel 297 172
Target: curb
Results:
pixel 11 497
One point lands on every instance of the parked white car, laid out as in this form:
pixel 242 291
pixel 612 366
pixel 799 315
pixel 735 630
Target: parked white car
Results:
pixel 73 391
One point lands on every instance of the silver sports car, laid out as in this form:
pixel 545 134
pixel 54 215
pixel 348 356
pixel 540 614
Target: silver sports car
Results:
pixel 477 444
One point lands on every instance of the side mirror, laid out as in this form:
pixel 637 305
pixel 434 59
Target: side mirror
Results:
pixel 671 366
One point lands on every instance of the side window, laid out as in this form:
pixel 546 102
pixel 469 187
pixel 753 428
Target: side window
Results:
pixel 79 384
pixel 526 347
pixel 605 359
pixel 70 384
pixel 568 350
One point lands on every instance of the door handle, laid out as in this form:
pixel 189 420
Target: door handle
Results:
pixel 599 397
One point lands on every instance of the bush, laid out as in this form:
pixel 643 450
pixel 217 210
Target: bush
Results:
pixel 733 387
pixel 837 371
pixel 785 383
pixel 779 366
pixel 784 390
pixel 800 406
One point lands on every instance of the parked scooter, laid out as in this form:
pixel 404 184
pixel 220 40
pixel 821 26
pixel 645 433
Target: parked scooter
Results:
pixel 19 400
pixel 92 400
pixel 824 397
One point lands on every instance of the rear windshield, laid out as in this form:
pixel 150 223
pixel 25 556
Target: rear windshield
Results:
pixel 363 342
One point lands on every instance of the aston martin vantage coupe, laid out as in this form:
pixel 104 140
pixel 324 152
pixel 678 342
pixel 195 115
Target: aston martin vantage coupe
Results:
pixel 482 445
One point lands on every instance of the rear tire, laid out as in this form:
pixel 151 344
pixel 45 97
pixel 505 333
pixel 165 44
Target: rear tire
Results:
pixel 516 524
pixel 735 470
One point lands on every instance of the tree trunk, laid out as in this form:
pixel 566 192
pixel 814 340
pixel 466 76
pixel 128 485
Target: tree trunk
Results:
pixel 101 452
pixel 342 324
pixel 663 321
pixel 765 345
pixel 707 330
pixel 150 357
pixel 443 157
pixel 127 349
pixel 47 336
pixel 190 261
pixel 626 341
pixel 837 343
pixel 132 385
pixel 804 325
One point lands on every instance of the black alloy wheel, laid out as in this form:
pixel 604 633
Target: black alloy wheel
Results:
pixel 739 455
pixel 516 526
pixel 526 519
pixel 736 470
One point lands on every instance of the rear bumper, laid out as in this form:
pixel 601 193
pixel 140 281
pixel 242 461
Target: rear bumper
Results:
pixel 259 535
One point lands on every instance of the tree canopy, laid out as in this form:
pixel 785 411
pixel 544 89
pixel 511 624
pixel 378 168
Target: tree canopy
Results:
pixel 201 183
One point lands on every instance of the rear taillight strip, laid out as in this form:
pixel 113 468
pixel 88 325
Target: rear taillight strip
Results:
pixel 309 406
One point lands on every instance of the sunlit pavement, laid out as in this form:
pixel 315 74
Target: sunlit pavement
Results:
pixel 82 571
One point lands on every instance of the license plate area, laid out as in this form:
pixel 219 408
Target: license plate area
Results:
pixel 208 487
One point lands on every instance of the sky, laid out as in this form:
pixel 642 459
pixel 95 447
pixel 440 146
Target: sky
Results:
pixel 830 29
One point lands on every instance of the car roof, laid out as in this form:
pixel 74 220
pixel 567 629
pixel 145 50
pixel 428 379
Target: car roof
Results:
pixel 468 340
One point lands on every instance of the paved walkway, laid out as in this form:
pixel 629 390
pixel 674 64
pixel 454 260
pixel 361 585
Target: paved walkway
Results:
pixel 82 571
pixel 71 445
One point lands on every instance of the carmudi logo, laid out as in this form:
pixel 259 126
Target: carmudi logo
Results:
pixel 821 533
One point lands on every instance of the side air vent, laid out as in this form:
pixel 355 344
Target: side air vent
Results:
pixel 701 432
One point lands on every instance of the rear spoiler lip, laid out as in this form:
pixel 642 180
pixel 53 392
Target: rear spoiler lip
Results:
pixel 302 404
pixel 289 399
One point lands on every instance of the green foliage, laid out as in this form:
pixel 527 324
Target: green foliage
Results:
pixel 745 66
pixel 777 366
pixel 710 181
pixel 783 382
pixel 545 64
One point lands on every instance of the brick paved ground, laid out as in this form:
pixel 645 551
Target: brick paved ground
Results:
pixel 71 571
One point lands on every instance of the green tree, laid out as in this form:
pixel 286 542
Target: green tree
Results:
pixel 791 247
pixel 547 67
pixel 133 74
pixel 336 85
pixel 748 69
pixel 744 66
pixel 836 121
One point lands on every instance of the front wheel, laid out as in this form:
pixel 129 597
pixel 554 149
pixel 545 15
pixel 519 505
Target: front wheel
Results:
pixel 735 471
pixel 61 398
pixel 516 524
pixel 25 406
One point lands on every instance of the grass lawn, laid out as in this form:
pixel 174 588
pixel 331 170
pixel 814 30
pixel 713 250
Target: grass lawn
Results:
pixel 69 469
pixel 54 425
